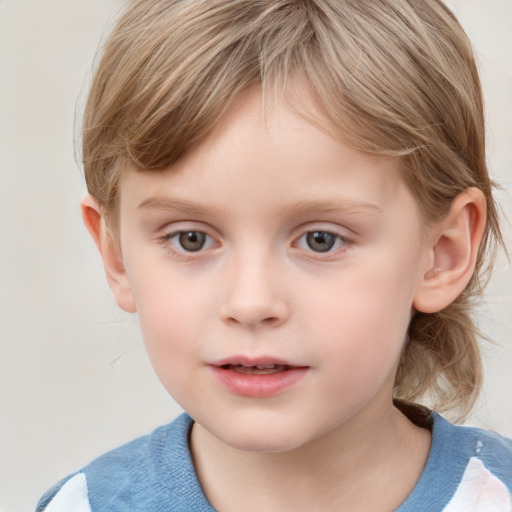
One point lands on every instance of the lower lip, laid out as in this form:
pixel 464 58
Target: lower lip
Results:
pixel 258 386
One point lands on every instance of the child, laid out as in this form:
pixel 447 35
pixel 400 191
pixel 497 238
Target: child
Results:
pixel 293 196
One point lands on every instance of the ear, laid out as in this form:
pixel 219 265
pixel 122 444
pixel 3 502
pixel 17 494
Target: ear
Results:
pixel 110 253
pixel 454 245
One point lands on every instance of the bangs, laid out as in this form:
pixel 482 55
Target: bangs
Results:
pixel 381 78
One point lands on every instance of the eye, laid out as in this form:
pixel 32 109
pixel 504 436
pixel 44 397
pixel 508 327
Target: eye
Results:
pixel 320 241
pixel 189 241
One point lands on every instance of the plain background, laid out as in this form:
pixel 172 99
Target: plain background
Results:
pixel 75 381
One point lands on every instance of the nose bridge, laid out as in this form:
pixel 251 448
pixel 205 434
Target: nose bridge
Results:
pixel 254 295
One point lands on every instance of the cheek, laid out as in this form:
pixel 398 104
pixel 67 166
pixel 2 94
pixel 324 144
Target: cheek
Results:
pixel 173 316
pixel 362 320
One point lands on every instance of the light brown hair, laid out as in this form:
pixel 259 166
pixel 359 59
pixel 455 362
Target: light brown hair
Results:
pixel 391 77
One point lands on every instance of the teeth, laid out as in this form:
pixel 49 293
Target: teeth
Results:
pixel 259 369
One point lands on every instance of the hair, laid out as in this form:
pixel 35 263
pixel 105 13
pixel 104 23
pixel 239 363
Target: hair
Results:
pixel 395 78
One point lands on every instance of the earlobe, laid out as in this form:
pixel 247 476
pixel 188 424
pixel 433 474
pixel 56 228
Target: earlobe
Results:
pixel 110 253
pixel 454 246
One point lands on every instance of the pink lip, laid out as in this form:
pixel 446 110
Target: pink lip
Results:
pixel 257 385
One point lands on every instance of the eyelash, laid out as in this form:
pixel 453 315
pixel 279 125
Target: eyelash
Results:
pixel 171 246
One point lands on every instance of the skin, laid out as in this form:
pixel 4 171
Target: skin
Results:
pixel 256 187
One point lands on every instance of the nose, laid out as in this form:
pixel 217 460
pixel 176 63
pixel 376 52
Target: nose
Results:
pixel 254 294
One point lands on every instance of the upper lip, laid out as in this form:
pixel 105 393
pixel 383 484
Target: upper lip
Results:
pixel 255 361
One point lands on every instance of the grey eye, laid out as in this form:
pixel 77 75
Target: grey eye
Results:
pixel 320 241
pixel 192 241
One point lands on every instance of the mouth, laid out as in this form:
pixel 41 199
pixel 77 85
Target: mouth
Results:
pixel 258 377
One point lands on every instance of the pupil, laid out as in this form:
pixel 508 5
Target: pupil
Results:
pixel 320 241
pixel 192 240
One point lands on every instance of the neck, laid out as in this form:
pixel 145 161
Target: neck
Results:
pixel 333 472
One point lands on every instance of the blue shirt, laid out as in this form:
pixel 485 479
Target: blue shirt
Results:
pixel 468 470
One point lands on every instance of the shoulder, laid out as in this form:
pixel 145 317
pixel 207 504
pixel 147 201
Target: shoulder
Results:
pixel 492 449
pixel 141 475
pixel 468 470
pixel 483 462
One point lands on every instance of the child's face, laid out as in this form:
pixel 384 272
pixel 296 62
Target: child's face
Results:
pixel 272 243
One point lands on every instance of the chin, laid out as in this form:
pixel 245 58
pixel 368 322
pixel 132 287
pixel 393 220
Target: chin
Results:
pixel 261 436
pixel 261 444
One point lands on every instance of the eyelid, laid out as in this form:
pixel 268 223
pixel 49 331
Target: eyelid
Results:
pixel 338 236
pixel 326 227
pixel 182 226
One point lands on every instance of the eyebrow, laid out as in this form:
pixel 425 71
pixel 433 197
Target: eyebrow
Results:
pixel 322 206
pixel 175 205
pixel 334 206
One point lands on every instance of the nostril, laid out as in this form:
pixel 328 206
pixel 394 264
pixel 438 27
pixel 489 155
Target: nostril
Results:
pixel 253 306
pixel 253 321
pixel 267 321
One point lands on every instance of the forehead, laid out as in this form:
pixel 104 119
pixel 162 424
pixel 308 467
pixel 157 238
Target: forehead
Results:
pixel 268 157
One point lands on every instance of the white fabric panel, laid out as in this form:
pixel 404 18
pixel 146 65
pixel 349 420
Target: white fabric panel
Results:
pixel 480 491
pixel 72 497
